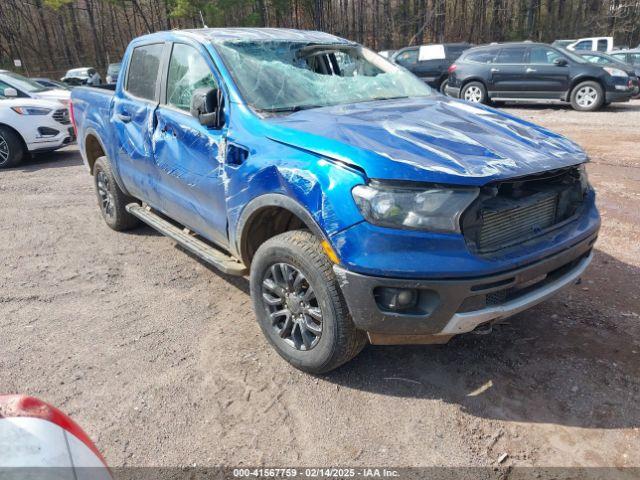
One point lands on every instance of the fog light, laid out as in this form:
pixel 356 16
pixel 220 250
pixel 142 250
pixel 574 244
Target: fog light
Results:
pixel 396 298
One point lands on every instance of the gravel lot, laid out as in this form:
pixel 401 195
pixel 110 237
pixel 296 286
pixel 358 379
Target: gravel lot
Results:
pixel 160 359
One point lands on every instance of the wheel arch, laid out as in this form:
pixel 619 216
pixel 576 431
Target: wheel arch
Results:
pixel 269 215
pixel 467 81
pixel 577 81
pixel 93 148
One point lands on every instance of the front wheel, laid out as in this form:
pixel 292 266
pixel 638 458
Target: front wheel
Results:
pixel 587 97
pixel 474 92
pixel 299 305
pixel 11 148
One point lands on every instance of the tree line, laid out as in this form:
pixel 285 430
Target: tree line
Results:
pixel 51 36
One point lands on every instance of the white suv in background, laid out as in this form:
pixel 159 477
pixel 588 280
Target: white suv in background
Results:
pixel 15 85
pixel 30 125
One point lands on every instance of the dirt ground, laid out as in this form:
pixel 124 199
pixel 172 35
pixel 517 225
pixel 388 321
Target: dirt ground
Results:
pixel 160 359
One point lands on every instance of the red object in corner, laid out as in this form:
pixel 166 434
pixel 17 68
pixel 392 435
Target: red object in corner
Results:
pixel 26 406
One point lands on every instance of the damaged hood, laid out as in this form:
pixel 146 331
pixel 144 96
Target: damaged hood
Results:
pixel 429 139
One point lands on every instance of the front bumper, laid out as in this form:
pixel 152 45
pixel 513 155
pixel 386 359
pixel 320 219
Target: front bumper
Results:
pixel 620 96
pixel 451 307
pixel 43 143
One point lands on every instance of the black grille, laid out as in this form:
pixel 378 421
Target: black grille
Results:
pixel 504 226
pixel 62 116
pixel 513 212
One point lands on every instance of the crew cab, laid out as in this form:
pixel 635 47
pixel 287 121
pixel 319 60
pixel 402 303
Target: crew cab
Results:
pixel 29 125
pixel 536 72
pixel 363 206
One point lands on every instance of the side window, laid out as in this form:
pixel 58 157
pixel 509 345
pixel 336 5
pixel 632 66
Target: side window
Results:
pixel 542 55
pixel 511 55
pixel 603 45
pixel 482 56
pixel 621 56
pixel 410 57
pixel 634 58
pixel 143 71
pixel 583 45
pixel 3 86
pixel 188 71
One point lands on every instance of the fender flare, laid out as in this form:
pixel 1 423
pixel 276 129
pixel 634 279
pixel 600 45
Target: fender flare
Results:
pixel 114 168
pixel 272 200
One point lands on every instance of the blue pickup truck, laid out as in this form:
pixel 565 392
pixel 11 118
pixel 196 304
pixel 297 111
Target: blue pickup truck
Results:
pixel 363 205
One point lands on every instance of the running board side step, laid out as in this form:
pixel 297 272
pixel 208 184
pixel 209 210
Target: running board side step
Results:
pixel 202 250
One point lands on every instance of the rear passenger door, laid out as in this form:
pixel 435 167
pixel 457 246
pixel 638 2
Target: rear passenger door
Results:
pixel 545 79
pixel 133 118
pixel 508 73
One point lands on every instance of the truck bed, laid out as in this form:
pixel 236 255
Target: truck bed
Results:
pixel 92 112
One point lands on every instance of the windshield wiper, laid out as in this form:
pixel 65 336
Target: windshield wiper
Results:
pixel 388 98
pixel 294 108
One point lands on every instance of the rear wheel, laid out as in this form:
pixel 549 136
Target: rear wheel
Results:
pixel 11 148
pixel 299 305
pixel 587 97
pixel 111 199
pixel 474 92
pixel 443 86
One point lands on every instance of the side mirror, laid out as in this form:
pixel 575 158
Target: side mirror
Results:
pixel 560 62
pixel 207 105
pixel 10 92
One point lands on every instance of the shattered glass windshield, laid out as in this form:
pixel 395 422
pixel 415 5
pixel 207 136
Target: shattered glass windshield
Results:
pixel 287 76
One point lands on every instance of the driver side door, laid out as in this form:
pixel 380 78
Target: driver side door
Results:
pixel 189 157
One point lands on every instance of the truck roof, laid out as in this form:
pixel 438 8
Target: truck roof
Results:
pixel 219 35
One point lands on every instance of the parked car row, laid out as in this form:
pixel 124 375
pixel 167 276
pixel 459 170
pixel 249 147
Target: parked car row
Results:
pixel 579 72
pixel 34 117
pixel 535 71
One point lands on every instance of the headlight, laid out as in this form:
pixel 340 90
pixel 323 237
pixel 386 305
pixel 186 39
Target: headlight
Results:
pixel 434 209
pixel 584 178
pixel 615 72
pixel 31 110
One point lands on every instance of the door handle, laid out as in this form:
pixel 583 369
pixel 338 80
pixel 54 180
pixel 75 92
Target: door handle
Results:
pixel 531 70
pixel 124 117
pixel 495 70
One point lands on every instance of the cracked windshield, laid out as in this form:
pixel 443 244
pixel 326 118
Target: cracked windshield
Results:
pixel 290 76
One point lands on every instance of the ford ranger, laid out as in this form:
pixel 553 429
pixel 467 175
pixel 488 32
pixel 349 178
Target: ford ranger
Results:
pixel 363 205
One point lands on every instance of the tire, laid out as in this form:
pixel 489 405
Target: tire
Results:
pixel 111 200
pixel 587 96
pixel 326 343
pixel 443 86
pixel 474 92
pixel 12 149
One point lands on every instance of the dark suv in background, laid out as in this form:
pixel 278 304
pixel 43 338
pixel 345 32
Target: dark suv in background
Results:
pixel 535 72
pixel 430 62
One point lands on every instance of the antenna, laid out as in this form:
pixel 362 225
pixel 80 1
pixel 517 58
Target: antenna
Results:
pixel 204 25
